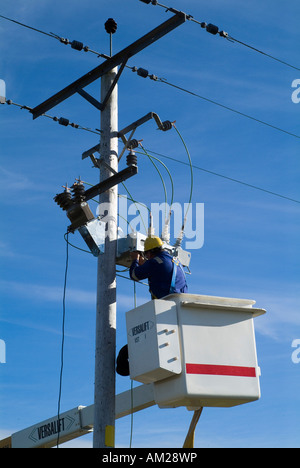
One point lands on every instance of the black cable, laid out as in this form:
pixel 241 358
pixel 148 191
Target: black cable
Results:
pixel 145 74
pixel 28 27
pixel 62 121
pixel 212 29
pixel 263 53
pixel 200 168
pixel 196 167
pixel 74 44
pixel 63 339
pixel 162 80
pixel 226 177
pixel 180 88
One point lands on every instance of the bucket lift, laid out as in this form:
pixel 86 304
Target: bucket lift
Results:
pixel 186 350
pixel 196 350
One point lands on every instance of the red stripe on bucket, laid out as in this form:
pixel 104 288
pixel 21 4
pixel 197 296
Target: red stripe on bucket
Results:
pixel 208 369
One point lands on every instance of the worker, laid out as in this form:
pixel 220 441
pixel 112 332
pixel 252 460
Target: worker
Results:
pixel 165 276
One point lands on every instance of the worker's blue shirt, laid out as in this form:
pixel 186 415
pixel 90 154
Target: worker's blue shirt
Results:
pixel 159 271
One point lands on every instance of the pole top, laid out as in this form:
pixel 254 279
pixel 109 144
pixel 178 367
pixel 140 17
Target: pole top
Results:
pixel 110 26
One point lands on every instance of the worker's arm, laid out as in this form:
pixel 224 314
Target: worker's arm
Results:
pixel 140 270
pixel 137 256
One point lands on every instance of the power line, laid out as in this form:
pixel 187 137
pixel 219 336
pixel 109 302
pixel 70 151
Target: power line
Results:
pixel 192 93
pixel 65 122
pixel 182 162
pixel 177 160
pixel 226 177
pixel 77 45
pixel 170 176
pixel 61 120
pixel 28 27
pixel 263 53
pixel 144 73
pixel 213 29
pixel 63 339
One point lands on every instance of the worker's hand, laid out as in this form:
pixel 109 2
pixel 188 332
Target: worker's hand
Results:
pixel 135 256
pixel 142 260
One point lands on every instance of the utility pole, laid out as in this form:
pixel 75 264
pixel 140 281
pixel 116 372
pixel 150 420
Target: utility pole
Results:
pixel 104 406
pixel 105 353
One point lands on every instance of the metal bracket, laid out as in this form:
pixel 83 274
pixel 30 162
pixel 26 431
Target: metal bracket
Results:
pixel 90 98
pixel 101 162
pixel 126 142
pixel 90 153
pixel 112 62
pixel 117 77
pixel 121 134
pixel 141 121
pixel 111 182
pixel 101 106
pixel 132 127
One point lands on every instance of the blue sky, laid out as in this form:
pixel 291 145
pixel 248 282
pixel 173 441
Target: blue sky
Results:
pixel 251 237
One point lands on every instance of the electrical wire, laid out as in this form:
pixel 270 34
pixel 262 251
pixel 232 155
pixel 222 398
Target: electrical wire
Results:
pixel 129 279
pixel 74 44
pixel 181 233
pixel 232 39
pixel 63 335
pixel 164 81
pixel 191 167
pixel 164 165
pixel 63 340
pixel 215 31
pixel 136 203
pixel 28 27
pixel 165 234
pixel 231 179
pixel 120 195
pixel 209 28
pixel 161 178
pixel 192 93
pixel 211 101
pixel 62 121
pixel 75 246
pixel 9 102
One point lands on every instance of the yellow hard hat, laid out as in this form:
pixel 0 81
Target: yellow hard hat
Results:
pixel 152 243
